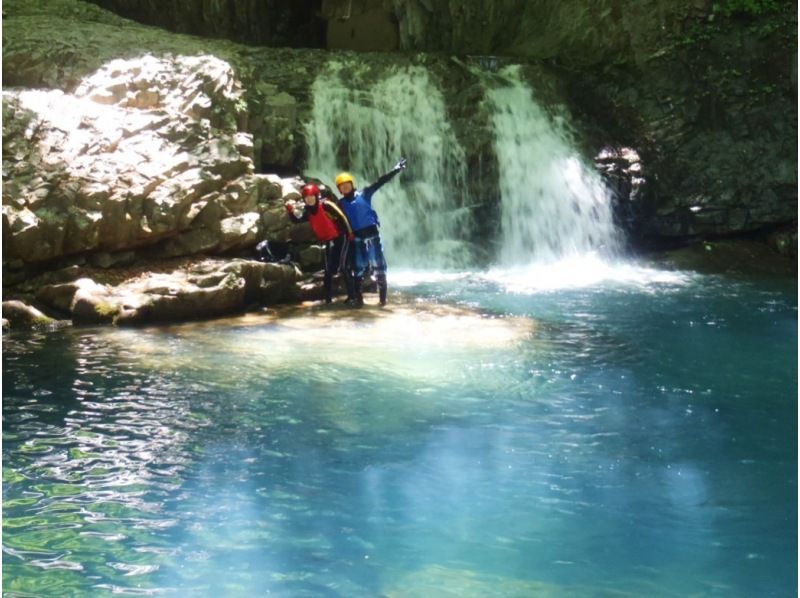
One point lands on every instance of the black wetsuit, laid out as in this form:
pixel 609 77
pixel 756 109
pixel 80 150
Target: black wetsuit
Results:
pixel 337 250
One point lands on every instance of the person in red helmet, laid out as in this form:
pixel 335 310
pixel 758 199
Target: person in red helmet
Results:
pixel 333 229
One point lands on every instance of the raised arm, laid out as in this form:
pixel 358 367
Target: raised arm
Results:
pixel 368 191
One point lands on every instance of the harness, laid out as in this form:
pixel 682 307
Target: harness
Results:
pixel 323 226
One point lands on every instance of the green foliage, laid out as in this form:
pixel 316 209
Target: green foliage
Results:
pixel 762 19
pixel 240 105
pixel 727 8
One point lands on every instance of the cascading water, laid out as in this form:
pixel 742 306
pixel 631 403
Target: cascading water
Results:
pixel 553 207
pixel 364 128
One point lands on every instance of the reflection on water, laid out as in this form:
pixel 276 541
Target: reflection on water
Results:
pixel 625 438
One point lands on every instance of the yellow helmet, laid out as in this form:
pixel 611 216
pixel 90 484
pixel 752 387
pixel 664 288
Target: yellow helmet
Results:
pixel 345 177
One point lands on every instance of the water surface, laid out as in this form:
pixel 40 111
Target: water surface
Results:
pixel 486 435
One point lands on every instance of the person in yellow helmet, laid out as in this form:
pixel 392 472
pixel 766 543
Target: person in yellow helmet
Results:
pixel 367 246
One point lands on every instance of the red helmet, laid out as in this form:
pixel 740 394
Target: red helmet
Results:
pixel 310 190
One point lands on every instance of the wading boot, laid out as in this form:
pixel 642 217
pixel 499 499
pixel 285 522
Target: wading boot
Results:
pixel 382 288
pixel 358 298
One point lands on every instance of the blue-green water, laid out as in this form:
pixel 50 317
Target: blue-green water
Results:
pixel 619 439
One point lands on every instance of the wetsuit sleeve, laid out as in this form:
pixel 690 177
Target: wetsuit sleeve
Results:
pixel 368 191
pixel 298 219
pixel 337 216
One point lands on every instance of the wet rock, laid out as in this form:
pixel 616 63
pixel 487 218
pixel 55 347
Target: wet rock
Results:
pixel 92 303
pixel 784 241
pixel 181 300
pixel 200 290
pixel 624 174
pixel 743 257
pixel 21 315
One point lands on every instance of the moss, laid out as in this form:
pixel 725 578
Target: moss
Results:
pixel 753 8
pixel 106 309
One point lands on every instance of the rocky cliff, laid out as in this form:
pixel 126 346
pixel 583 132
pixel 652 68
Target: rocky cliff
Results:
pixel 125 142
pixel 704 90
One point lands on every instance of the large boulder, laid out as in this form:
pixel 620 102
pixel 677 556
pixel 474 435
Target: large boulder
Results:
pixel 170 299
pixel 93 303
pixel 131 158
pixel 147 151
pixel 206 289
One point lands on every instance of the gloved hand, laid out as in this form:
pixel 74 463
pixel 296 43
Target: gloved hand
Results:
pixel 400 165
pixel 289 207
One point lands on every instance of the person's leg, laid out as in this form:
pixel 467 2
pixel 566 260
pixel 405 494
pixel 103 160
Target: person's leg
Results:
pixel 360 263
pixel 339 262
pixel 344 264
pixel 327 280
pixel 378 263
pixel 383 288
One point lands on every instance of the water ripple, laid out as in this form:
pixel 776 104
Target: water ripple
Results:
pixel 332 453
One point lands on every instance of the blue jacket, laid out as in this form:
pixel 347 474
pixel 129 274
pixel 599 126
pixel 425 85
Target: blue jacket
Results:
pixel 358 205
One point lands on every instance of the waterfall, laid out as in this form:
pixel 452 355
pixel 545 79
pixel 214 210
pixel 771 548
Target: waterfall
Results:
pixel 364 126
pixel 553 206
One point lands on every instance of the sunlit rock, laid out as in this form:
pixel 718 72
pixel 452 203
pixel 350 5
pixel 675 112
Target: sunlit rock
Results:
pixel 92 303
pixel 173 298
pixel 194 290
pixel 59 296
pixel 146 151
pixel 21 315
pixel 199 290
pixel 239 231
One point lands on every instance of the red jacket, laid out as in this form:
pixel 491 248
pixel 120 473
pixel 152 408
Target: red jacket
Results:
pixel 327 223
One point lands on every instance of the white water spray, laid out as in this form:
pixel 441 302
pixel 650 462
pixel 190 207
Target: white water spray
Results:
pixel 557 229
pixel 553 206
pixel 365 128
